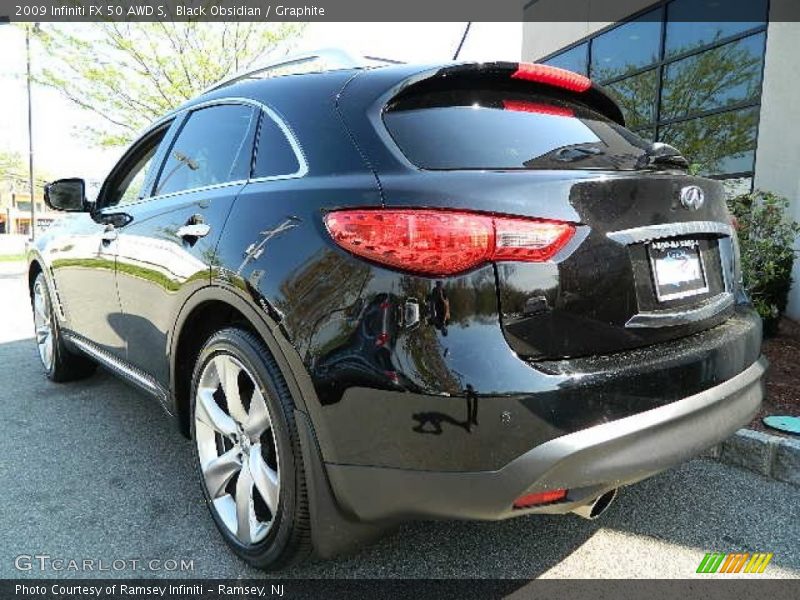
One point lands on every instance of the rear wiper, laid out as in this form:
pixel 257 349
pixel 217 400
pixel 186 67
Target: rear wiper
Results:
pixel 576 152
pixel 660 154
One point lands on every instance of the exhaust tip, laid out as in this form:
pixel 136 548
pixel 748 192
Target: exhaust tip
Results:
pixel 597 507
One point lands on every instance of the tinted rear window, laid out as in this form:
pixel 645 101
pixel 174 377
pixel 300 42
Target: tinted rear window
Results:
pixel 275 155
pixel 490 129
pixel 214 146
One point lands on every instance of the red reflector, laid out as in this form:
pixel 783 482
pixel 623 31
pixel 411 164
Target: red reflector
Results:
pixel 381 339
pixel 444 242
pixel 547 497
pixel 552 76
pixel 538 107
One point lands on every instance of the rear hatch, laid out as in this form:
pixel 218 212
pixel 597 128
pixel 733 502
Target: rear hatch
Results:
pixel 652 254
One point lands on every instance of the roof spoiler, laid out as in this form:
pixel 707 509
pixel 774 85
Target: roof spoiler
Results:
pixel 567 82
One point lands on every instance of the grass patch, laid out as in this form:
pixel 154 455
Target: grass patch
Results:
pixel 11 257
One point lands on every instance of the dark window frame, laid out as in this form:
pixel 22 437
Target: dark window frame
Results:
pixel 169 127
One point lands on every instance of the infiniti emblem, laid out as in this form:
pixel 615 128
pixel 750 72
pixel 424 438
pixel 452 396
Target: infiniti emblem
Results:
pixel 692 197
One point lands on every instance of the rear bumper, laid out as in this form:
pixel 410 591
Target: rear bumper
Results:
pixel 587 462
pixel 467 403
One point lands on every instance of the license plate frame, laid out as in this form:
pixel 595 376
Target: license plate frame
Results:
pixel 677 269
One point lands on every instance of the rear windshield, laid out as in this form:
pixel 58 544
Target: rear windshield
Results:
pixel 491 129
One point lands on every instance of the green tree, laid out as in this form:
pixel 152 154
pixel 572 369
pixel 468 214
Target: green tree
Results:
pixel 14 171
pixel 767 235
pixel 129 74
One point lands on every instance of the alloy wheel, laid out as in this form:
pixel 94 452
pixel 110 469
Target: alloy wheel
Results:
pixel 42 320
pixel 237 448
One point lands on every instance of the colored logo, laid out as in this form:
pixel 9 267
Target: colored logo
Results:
pixel 717 562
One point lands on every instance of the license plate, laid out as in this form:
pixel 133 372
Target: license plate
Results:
pixel 677 269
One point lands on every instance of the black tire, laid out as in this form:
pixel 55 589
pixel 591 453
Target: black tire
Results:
pixel 64 364
pixel 288 540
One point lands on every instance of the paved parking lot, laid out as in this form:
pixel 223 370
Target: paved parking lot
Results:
pixel 94 470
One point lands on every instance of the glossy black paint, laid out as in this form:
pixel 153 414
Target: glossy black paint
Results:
pixel 583 302
pixel 525 353
pixel 157 269
pixel 81 265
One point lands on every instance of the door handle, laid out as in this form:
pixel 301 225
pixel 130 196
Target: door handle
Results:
pixel 109 234
pixel 194 230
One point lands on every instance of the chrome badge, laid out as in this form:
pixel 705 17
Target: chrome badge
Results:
pixel 692 197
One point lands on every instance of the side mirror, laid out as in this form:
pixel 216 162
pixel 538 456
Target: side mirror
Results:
pixel 67 195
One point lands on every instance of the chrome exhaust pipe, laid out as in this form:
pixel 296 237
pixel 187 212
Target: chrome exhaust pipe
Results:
pixel 597 506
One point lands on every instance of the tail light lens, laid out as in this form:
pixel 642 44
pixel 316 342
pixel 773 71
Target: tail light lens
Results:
pixel 540 498
pixel 444 242
pixel 547 75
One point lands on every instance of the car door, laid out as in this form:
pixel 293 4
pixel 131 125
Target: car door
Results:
pixel 166 250
pixel 83 258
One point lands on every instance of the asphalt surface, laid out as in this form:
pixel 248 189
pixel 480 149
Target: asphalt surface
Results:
pixel 94 470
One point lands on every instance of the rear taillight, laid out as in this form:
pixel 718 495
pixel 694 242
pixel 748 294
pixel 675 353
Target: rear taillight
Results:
pixel 553 76
pixel 444 242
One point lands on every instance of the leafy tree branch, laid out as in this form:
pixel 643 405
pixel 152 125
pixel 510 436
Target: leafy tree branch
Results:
pixel 129 74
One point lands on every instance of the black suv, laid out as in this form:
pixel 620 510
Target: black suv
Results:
pixel 377 294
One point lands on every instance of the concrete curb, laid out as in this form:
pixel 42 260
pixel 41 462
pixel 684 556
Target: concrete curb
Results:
pixel 769 455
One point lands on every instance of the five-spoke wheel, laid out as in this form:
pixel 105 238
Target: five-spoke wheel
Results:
pixel 60 362
pixel 237 449
pixel 248 450
pixel 42 316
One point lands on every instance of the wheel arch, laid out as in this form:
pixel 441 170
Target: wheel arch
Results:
pixel 209 309
pixel 33 270
pixel 332 531
pixel 37 266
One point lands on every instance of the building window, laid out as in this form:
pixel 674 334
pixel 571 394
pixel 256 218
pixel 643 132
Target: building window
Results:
pixel 575 59
pixel 637 97
pixel 685 79
pixel 719 144
pixel 626 48
pixel 720 77
pixel 695 23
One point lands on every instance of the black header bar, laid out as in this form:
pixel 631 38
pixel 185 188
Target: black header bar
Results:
pixel 361 10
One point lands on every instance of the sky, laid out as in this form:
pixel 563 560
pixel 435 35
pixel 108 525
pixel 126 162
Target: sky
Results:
pixel 61 151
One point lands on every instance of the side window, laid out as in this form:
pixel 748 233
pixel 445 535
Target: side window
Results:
pixel 133 191
pixel 214 146
pixel 128 185
pixel 275 155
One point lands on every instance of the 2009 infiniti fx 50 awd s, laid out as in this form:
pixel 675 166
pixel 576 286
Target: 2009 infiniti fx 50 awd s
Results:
pixel 369 295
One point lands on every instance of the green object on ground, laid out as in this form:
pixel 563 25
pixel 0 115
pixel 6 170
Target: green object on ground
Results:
pixel 783 423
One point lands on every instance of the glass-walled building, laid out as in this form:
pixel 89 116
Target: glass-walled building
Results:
pixel 695 85
pixel 717 79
